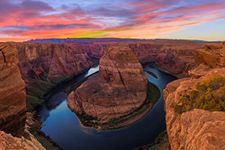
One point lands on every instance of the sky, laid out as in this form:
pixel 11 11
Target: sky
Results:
pixel 22 20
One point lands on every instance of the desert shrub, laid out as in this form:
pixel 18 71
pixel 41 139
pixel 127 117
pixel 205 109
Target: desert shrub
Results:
pixel 36 92
pixel 39 88
pixel 208 95
pixel 33 102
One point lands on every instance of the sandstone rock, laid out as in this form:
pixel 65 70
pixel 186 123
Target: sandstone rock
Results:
pixel 8 142
pixel 12 90
pixel 212 55
pixel 119 88
pixel 175 57
pixel 195 129
pixel 50 61
pixel 199 70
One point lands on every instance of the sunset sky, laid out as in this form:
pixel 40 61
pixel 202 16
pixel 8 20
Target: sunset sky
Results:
pixel 177 19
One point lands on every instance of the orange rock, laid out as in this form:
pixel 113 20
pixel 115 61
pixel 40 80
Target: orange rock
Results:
pixel 50 61
pixel 8 142
pixel 195 129
pixel 12 90
pixel 119 88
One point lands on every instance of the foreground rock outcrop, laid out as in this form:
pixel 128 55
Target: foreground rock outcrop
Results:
pixel 192 125
pixel 194 106
pixel 13 103
pixel 12 90
pixel 8 142
pixel 118 89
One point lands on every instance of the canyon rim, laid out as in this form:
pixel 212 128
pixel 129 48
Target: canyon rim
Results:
pixel 112 75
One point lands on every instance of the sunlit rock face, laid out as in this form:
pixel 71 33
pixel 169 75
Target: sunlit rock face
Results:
pixel 200 127
pixel 196 128
pixel 212 55
pixel 12 90
pixel 8 142
pixel 118 89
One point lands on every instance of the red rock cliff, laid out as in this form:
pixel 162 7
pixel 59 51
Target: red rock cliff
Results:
pixel 194 107
pixel 195 129
pixel 119 88
pixel 50 61
pixel 12 89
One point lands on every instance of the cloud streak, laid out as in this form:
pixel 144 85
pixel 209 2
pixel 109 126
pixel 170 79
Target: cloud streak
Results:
pixel 29 19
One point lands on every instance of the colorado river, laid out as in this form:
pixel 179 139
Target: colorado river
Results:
pixel 64 128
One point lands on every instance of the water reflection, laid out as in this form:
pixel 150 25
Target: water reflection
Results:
pixel 64 127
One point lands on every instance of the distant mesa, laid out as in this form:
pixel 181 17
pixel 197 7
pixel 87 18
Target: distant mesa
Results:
pixel 117 90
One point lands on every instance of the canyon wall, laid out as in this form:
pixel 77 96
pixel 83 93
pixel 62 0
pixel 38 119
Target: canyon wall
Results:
pixel 118 89
pixel 12 90
pixel 49 61
pixel 42 66
pixel 8 142
pixel 195 106
pixel 174 56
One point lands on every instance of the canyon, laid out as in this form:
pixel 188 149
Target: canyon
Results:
pixel 113 92
pixel 30 70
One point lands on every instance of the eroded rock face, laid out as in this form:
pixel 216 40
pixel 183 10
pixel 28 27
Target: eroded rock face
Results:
pixel 50 61
pixel 12 90
pixel 173 56
pixel 8 142
pixel 118 89
pixel 195 129
pixel 212 55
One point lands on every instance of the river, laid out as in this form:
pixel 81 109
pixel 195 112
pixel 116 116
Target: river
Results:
pixel 65 129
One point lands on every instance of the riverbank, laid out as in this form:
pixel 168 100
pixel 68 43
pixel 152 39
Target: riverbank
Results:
pixel 55 114
pixel 153 94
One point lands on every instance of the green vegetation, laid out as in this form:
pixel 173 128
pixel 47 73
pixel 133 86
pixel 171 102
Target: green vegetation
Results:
pixel 33 102
pixel 153 93
pixel 208 95
pixel 152 97
pixel 45 141
pixel 36 92
pixel 38 89
pixel 59 79
pixel 87 120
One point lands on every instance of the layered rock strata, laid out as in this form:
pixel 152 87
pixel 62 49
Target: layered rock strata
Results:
pixel 118 89
pixel 197 128
pixel 12 90
pixel 50 61
pixel 8 142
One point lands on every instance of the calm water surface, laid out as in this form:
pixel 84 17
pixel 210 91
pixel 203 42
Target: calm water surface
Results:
pixel 64 128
